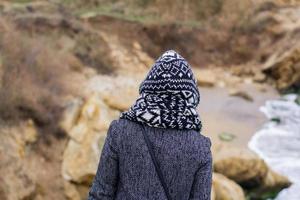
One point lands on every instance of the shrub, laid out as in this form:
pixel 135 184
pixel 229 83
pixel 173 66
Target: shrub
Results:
pixel 31 78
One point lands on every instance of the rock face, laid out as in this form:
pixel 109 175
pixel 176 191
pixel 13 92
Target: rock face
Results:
pixel 90 122
pixel 23 166
pixel 240 165
pixel 128 62
pixel 241 94
pixel 205 78
pixel 15 182
pixel 282 57
pixel 285 68
pixel 123 95
pixel 246 168
pixel 118 92
pixel 71 191
pixel 226 189
pixel 274 181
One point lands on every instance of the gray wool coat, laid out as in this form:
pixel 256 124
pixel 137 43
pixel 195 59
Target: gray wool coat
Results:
pixel 126 171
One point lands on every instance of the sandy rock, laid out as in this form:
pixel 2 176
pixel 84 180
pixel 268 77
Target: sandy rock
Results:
pixel 73 62
pixel 82 153
pixel 240 165
pixel 71 114
pixel 261 87
pixel 119 92
pixel 259 77
pixel 89 72
pixel 231 80
pixel 205 77
pixel 226 189
pixel 127 62
pixel 212 194
pixel 278 21
pixel 15 181
pixel 275 180
pixel 248 80
pixel 246 73
pixel 20 137
pixel 70 191
pixel 17 185
pixel 30 132
pixel 80 160
pixel 285 68
pixel 121 99
pixel 283 58
pixel 246 168
pixel 93 115
pixel 241 71
pixel 240 93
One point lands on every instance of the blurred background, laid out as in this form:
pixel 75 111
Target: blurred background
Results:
pixel 69 67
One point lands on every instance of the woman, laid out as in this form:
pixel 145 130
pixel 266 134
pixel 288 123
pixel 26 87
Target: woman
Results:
pixel 155 150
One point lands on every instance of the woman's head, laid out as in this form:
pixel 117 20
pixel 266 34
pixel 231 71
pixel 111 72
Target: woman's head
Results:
pixel 171 73
pixel 168 96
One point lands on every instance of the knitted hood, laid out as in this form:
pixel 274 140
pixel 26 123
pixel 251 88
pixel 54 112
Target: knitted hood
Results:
pixel 168 96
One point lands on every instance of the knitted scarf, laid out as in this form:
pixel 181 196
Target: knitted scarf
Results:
pixel 168 96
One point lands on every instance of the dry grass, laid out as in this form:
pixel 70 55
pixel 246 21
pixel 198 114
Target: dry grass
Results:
pixel 140 10
pixel 32 78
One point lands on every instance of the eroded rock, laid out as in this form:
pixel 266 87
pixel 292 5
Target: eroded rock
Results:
pixel 246 168
pixel 226 189
pixel 88 132
pixel 118 92
pixel 285 68
pixel 240 93
pixel 205 77
pixel 15 181
pixel 17 184
pixel 240 165
pixel 273 180
pixel 71 191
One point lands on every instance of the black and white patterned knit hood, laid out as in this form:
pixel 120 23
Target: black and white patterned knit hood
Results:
pixel 168 96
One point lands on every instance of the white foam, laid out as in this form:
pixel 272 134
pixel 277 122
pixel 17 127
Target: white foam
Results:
pixel 279 143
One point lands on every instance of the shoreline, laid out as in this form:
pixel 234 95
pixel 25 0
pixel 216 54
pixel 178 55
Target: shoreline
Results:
pixel 222 113
pixel 284 133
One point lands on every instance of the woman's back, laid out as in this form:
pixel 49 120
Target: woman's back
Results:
pixel 183 156
pixel 167 109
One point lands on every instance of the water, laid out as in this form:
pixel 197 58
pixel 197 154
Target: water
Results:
pixel 278 142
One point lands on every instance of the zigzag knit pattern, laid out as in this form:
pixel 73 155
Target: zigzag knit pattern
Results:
pixel 168 96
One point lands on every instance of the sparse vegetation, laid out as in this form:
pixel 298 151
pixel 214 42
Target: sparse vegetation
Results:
pixel 149 10
pixel 31 81
pixel 226 136
pixel 262 195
